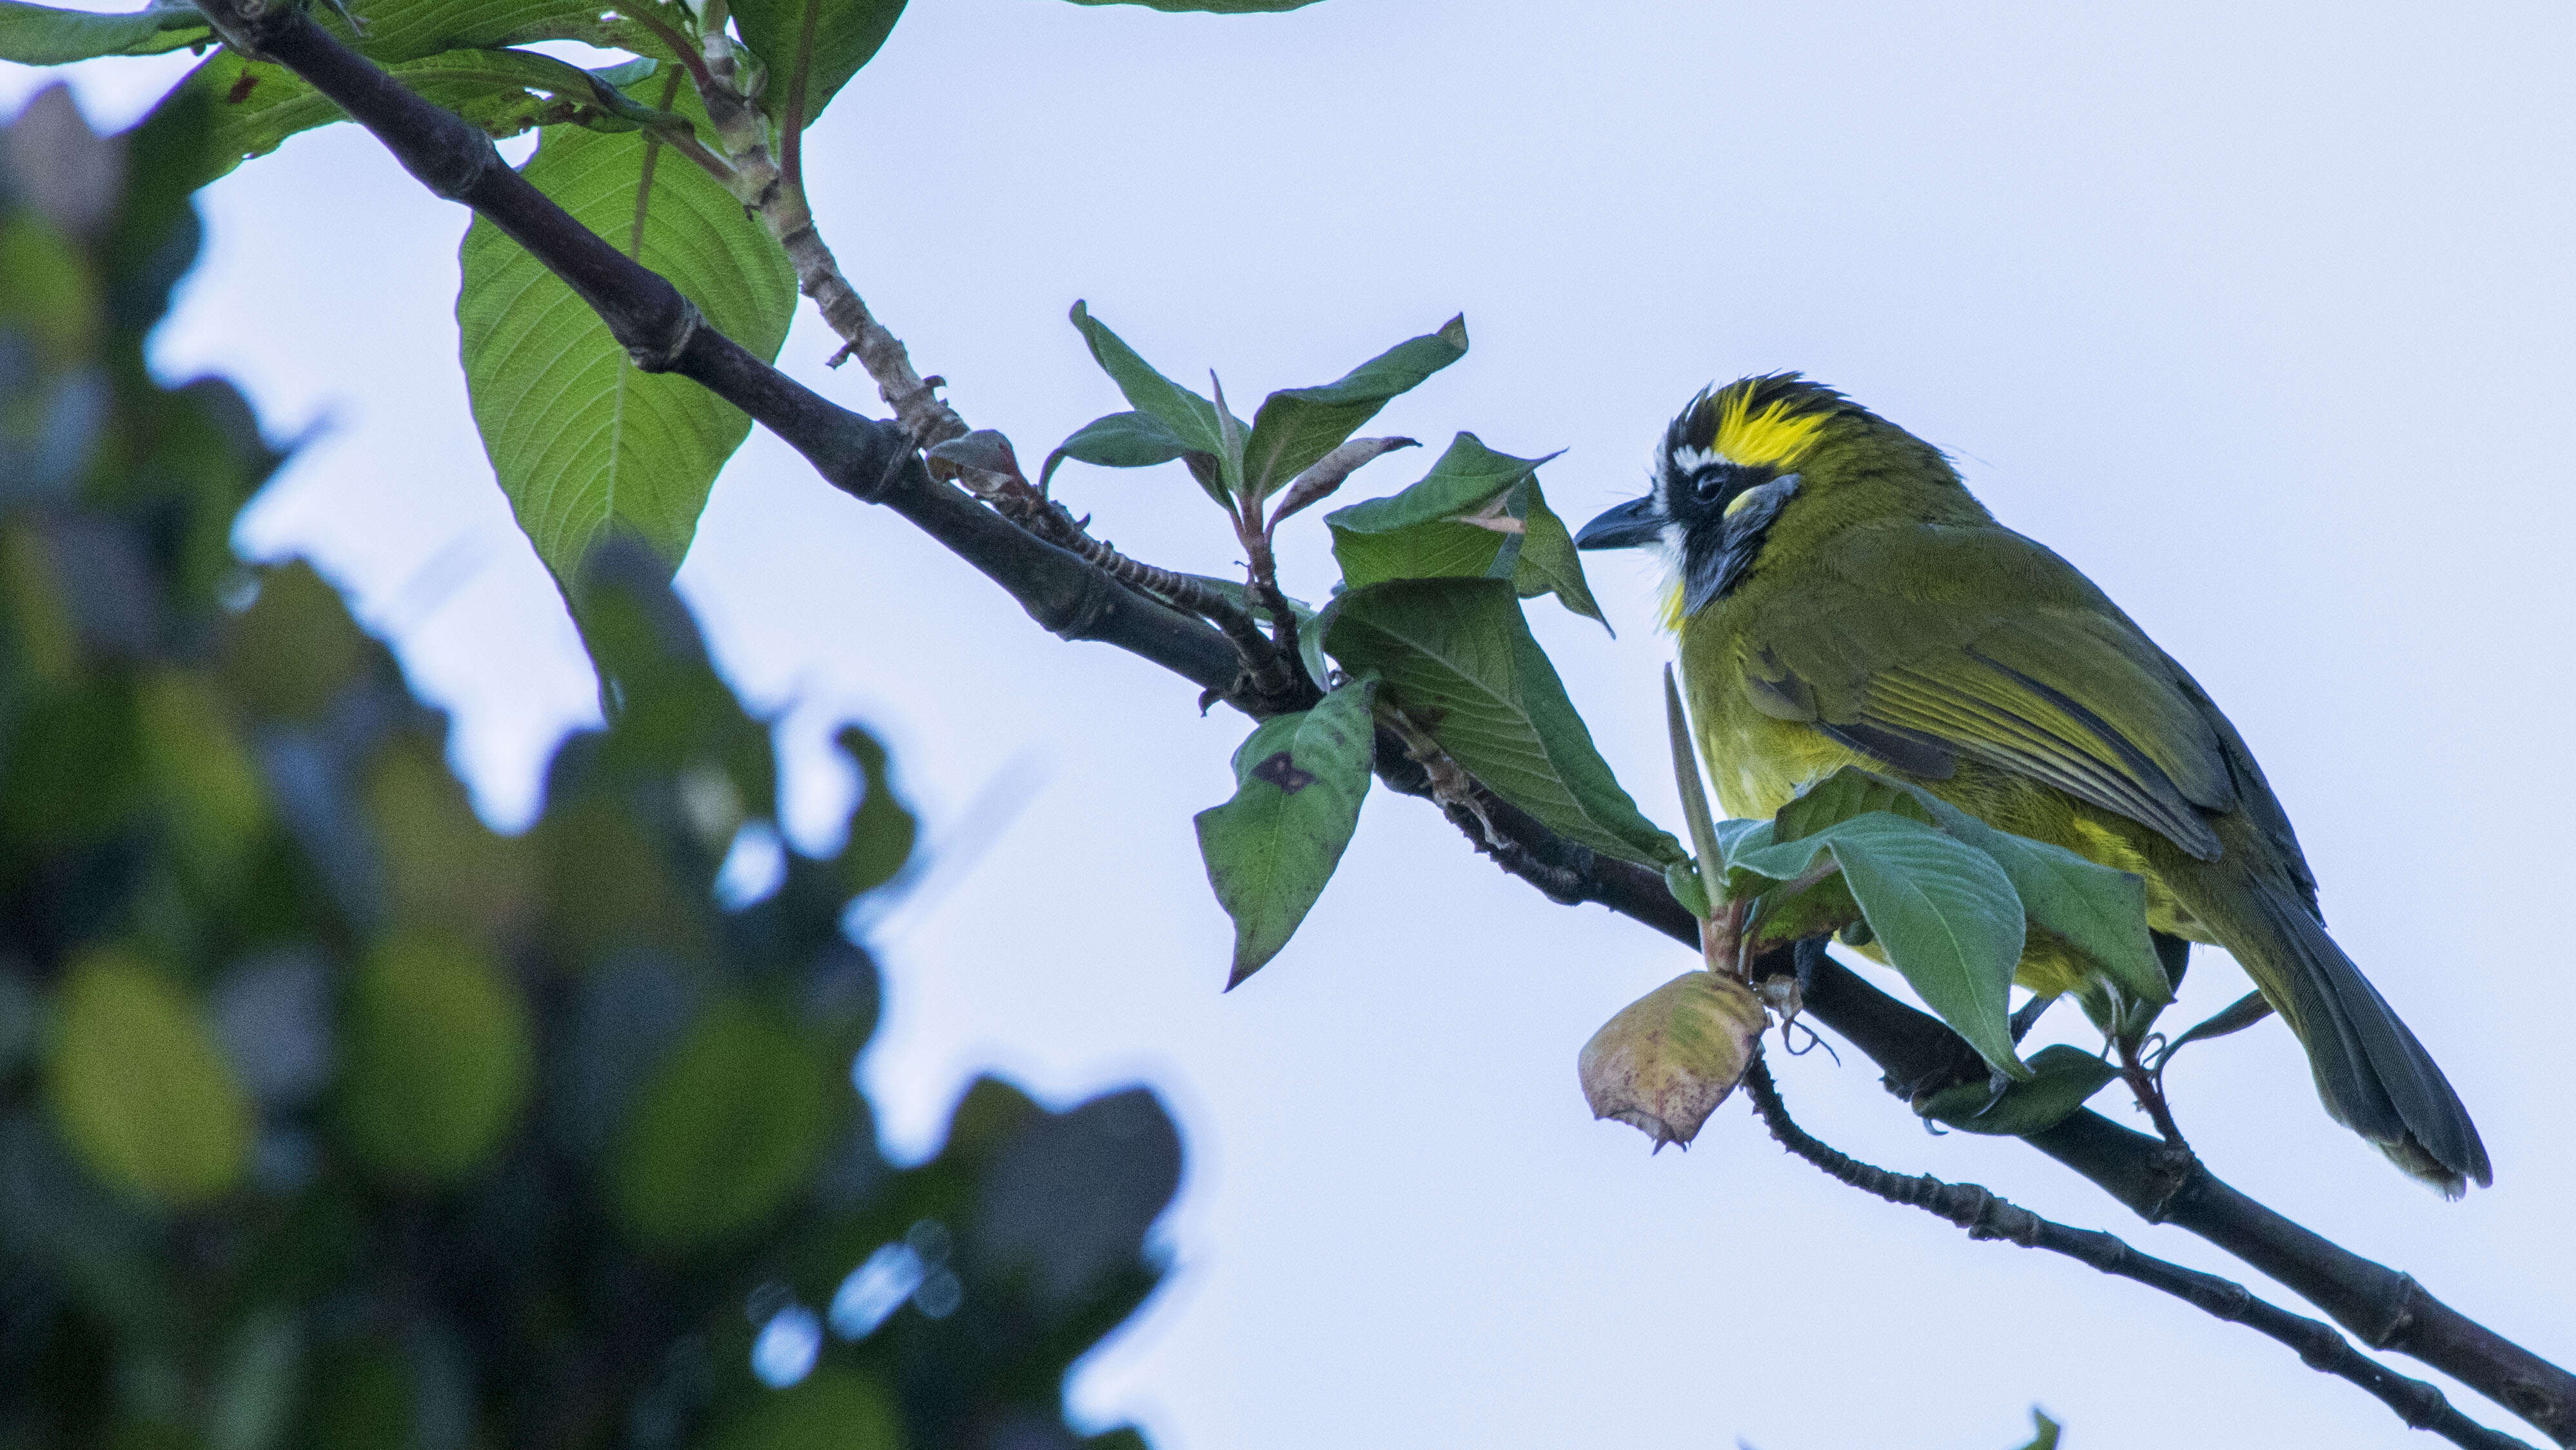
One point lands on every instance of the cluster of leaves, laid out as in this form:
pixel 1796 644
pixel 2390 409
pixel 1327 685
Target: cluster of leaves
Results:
pixel 328 1115
pixel 1424 627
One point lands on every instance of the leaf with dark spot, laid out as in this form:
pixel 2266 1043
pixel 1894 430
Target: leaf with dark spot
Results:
pixel 1281 770
pixel 1270 850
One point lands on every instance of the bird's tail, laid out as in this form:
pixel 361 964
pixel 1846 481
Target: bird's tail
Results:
pixel 2374 1077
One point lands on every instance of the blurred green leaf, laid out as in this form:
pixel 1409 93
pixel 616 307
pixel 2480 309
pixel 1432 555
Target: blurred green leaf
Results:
pixel 446 869
pixel 584 443
pixel 45 641
pixel 882 831
pixel 361 1392
pixel 204 772
pixel 1300 780
pixel 2046 1429
pixel 1457 658
pixel 438 1053
pixel 75 768
pixel 1068 1201
pixel 1943 912
pixel 53 292
pixel 295 649
pixel 2062 1079
pixel 1297 426
pixel 255 1390
pixel 847 35
pixel 729 1129
pixel 139 1088
pixel 1189 417
pixel 831 1409
pixel 1120 440
pixel 43 35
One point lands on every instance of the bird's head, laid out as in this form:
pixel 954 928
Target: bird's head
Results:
pixel 1728 468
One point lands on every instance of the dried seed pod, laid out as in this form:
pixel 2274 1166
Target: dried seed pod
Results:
pixel 1665 1062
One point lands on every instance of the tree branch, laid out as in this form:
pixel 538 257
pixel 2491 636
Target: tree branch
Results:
pixel 877 462
pixel 2383 1308
pixel 1986 1216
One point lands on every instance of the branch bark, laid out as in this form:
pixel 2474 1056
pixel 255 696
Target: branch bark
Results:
pixel 878 462
pixel 1986 1216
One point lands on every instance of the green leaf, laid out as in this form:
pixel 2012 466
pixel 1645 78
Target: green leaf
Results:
pixel 2045 1432
pixel 239 94
pixel 1703 829
pixel 582 441
pixel 1297 426
pixel 505 92
pixel 1120 440
pixel 1549 563
pixel 1189 417
pixel 1839 797
pixel 143 1094
pixel 2235 1017
pixel 1465 477
pixel 439 1058
pixel 882 831
pixel 2097 910
pixel 1299 783
pixel 1681 878
pixel 1458 659
pixel 1942 910
pixel 443 867
pixel 43 35
pixel 831 1409
pixel 847 35
pixel 731 1125
pixel 1419 534
pixel 2061 1079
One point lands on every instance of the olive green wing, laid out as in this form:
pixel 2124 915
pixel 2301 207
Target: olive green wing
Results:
pixel 1921 645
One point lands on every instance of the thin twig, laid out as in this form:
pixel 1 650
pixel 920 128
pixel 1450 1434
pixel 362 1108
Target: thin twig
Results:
pixel 1268 676
pixel 1986 1216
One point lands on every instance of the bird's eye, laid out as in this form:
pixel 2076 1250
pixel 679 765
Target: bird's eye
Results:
pixel 1711 482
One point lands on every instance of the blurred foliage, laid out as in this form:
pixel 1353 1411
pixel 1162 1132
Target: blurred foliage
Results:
pixel 328 1116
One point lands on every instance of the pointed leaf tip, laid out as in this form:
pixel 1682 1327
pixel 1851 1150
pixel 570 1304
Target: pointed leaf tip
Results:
pixel 1270 850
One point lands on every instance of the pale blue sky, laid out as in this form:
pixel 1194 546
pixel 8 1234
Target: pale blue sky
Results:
pixel 2261 315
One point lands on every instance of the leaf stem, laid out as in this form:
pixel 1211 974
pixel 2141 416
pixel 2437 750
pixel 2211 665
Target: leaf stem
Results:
pixel 642 13
pixel 791 131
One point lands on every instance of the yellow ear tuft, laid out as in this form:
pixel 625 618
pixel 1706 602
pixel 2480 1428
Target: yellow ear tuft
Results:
pixel 1774 436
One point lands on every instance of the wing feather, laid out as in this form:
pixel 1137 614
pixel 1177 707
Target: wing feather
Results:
pixel 2025 667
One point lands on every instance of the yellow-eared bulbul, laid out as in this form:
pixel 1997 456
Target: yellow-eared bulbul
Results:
pixel 1841 600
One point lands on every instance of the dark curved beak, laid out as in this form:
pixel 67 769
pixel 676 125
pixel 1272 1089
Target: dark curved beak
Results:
pixel 1630 525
